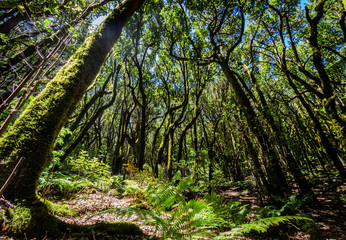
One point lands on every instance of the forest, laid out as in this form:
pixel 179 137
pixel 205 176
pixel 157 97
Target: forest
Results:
pixel 163 119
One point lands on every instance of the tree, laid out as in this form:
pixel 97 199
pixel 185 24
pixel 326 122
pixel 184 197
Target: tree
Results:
pixel 227 90
pixel 34 133
pixel 29 59
pixel 224 37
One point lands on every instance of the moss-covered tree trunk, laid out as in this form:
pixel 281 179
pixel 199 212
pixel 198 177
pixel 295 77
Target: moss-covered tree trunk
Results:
pixel 277 182
pixel 34 133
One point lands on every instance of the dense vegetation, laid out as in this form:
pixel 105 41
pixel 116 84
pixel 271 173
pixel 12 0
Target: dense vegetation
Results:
pixel 192 98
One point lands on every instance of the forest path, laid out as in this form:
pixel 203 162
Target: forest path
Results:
pixel 329 214
pixel 89 205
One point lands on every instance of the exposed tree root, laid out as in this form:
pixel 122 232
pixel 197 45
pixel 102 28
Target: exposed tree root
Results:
pixel 36 221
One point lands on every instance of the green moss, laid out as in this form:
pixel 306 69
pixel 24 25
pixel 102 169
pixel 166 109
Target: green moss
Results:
pixel 35 221
pixel 20 218
pixel 60 210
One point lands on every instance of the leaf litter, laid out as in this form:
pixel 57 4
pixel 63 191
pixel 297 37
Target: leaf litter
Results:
pixel 89 205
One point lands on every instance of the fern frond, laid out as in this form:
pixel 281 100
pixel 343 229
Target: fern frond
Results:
pixel 202 214
pixel 184 184
pixel 262 225
pixel 230 214
pixel 163 196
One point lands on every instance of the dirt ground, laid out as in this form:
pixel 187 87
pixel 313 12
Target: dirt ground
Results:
pixel 328 214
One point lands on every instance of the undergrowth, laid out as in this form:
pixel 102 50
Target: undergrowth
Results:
pixel 164 205
pixel 75 174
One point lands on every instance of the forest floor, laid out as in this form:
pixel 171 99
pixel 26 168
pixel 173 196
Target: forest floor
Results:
pixel 89 205
pixel 328 214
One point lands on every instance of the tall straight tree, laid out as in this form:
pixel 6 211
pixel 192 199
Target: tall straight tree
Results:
pixel 34 133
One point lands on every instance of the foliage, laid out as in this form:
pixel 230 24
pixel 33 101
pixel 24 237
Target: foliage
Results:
pixel 290 206
pixel 90 168
pixel 231 213
pixel 77 173
pixel 222 93
pixel 57 183
pixel 173 216
pixel 176 218
pixel 263 225
pixel 142 177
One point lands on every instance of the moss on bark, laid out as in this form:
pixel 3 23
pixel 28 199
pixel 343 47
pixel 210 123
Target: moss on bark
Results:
pixel 33 134
pixel 35 220
pixel 60 210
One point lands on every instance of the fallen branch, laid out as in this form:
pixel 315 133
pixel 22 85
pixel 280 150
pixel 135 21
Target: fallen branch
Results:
pixel 13 173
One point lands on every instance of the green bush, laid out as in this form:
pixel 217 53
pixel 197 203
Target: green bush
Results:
pixel 76 174
pixel 90 168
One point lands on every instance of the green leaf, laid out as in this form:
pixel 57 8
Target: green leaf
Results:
pixel 73 30
pixel 46 22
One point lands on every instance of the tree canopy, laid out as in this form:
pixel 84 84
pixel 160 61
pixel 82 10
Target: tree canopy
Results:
pixel 227 92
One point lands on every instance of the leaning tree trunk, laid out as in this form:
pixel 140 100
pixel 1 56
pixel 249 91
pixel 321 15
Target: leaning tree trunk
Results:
pixel 276 178
pixel 34 133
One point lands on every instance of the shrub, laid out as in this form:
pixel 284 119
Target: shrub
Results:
pixel 76 174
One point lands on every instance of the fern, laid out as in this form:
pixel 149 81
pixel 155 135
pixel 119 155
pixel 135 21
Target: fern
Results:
pixel 195 218
pixel 231 214
pixel 203 214
pixel 181 219
pixel 186 218
pixel 262 225
pixel 64 184
pixel 164 195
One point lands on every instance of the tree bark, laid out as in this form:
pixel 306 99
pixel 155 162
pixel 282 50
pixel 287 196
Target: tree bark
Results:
pixel 36 130
pixel 276 178
pixel 329 103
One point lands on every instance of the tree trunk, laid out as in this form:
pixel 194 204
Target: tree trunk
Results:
pixel 142 135
pixel 276 178
pixel 302 182
pixel 330 151
pixel 169 154
pixel 118 158
pixel 329 103
pixel 36 130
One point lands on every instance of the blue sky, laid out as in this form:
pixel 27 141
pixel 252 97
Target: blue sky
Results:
pixel 99 20
pixel 302 3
